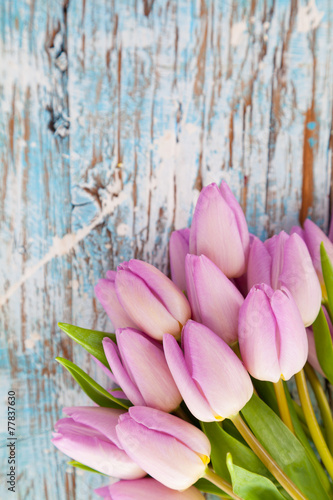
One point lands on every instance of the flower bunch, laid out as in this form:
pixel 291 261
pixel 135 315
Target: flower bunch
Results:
pixel 198 363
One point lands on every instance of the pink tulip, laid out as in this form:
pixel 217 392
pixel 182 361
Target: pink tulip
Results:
pixel 272 337
pixel 178 248
pixel 140 369
pixel 146 489
pixel 89 437
pixel 210 377
pixel 172 451
pixel 153 302
pixel 219 230
pixel 214 300
pixel 313 237
pixel 105 291
pixel 284 261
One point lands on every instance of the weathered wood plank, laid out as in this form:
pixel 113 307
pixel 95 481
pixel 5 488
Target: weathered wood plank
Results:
pixel 113 116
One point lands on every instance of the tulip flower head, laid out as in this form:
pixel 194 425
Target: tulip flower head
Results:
pixel 146 298
pixel 210 377
pixel 140 369
pixel 218 220
pixel 313 237
pixel 146 489
pixel 172 451
pixel 272 337
pixel 89 437
pixel 284 261
pixel 214 299
pixel 178 249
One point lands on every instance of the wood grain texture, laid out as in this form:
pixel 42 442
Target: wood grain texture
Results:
pixel 113 116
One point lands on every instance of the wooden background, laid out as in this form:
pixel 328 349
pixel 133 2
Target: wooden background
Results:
pixel 113 115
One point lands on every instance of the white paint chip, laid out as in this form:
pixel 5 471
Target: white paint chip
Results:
pixel 30 342
pixel 122 229
pixel 308 17
pixel 238 33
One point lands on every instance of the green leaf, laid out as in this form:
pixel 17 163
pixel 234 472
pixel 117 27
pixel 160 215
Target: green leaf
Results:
pixel 95 391
pixel 207 487
pixel 91 340
pixel 74 463
pixel 324 347
pixel 284 447
pixel 327 268
pixel 250 486
pixel 222 443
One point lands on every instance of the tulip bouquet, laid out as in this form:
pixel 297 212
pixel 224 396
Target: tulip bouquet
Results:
pixel 197 401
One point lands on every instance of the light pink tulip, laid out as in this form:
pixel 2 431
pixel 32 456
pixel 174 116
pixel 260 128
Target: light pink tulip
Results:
pixel 284 261
pixel 313 237
pixel 140 369
pixel 89 437
pixel 178 248
pixel 214 299
pixel 151 299
pixel 272 337
pixel 219 230
pixel 172 451
pixel 146 489
pixel 210 377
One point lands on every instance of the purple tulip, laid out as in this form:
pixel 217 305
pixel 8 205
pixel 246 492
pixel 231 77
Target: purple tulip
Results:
pixel 89 436
pixel 272 337
pixel 146 489
pixel 172 451
pixel 178 248
pixel 210 377
pixel 284 261
pixel 140 369
pixel 214 300
pixel 105 291
pixel 313 237
pixel 219 230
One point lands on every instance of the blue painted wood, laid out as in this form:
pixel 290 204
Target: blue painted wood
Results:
pixel 113 116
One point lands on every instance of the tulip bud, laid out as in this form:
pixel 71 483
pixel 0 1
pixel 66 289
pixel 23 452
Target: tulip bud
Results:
pixel 313 237
pixel 210 377
pixel 153 302
pixel 272 337
pixel 146 489
pixel 219 230
pixel 105 291
pixel 285 261
pixel 89 437
pixel 178 248
pixel 140 369
pixel 172 451
pixel 214 300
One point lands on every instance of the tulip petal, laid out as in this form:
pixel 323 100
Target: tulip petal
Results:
pixel 103 419
pixel 213 227
pixel 146 489
pixel 146 365
pixel 144 307
pixel 163 422
pixel 313 236
pixel 312 355
pixel 259 264
pixel 293 340
pixel 275 247
pixel 106 293
pixel 161 286
pixel 257 335
pixel 120 373
pixel 162 456
pixel 178 248
pixel 196 402
pixel 299 276
pixel 214 299
pixel 217 370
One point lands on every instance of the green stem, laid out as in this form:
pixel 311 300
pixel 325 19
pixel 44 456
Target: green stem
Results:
pixel 283 405
pixel 313 425
pixel 220 483
pixel 266 459
pixel 323 404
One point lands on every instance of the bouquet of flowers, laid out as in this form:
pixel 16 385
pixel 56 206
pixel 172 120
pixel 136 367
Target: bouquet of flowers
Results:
pixel 198 365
